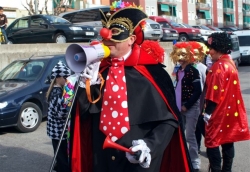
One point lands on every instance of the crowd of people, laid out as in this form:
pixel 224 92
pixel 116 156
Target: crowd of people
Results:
pixel 150 124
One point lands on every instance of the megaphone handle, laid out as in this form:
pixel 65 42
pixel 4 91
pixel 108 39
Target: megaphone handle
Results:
pixel 137 154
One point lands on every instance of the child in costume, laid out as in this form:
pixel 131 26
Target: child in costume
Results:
pixel 57 114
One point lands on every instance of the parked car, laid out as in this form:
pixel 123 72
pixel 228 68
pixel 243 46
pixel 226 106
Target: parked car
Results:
pixel 169 33
pixel 23 86
pixel 185 34
pixel 214 28
pixel 235 52
pixel 229 29
pixel 48 29
pixel 244 37
pixel 86 16
pixel 152 30
pixel 205 31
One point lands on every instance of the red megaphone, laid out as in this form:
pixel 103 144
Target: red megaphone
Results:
pixel 109 144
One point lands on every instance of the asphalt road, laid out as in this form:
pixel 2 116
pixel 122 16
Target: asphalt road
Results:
pixel 32 152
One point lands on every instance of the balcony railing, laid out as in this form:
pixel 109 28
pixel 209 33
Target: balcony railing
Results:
pixel 246 13
pixel 229 23
pixel 202 6
pixel 246 25
pixel 203 22
pixel 246 1
pixel 228 10
pixel 168 1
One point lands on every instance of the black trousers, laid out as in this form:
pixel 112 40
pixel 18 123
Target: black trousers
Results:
pixel 200 130
pixel 62 156
pixel 214 157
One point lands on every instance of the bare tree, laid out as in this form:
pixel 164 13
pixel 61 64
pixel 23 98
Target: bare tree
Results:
pixel 61 6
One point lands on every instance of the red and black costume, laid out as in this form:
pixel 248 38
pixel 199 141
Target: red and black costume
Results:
pixel 153 114
pixel 151 102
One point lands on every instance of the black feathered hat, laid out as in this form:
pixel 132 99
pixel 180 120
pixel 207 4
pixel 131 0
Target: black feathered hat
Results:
pixel 122 21
pixel 220 41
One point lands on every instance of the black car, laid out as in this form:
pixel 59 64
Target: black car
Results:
pixel 48 29
pixel 229 29
pixel 23 87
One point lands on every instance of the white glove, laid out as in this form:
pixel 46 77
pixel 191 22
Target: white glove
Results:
pixel 145 157
pixel 90 72
pixel 206 118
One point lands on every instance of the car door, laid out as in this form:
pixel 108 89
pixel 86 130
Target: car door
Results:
pixel 20 32
pixel 40 30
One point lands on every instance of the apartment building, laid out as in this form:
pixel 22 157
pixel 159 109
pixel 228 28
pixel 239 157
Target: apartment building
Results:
pixel 207 12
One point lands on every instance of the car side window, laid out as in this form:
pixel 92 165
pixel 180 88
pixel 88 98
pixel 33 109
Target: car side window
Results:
pixel 22 24
pixel 69 16
pixel 164 25
pixel 36 21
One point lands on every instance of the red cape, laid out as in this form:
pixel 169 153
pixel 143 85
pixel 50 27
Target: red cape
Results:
pixel 228 122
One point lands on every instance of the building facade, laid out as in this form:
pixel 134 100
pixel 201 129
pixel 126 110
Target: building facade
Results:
pixel 218 13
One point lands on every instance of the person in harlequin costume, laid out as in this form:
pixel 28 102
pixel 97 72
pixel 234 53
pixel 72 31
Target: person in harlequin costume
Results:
pixel 188 92
pixel 225 113
pixel 136 109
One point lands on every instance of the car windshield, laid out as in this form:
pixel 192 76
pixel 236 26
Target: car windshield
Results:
pixel 233 29
pixel 23 70
pixel 186 25
pixel 205 27
pixel 217 29
pixel 56 20
pixel 244 40
pixel 174 24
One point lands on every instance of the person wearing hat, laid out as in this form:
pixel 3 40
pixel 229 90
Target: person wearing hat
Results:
pixel 57 114
pixel 188 92
pixel 225 114
pixel 137 107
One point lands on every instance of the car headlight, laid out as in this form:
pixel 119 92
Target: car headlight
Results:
pixel 94 28
pixel 3 105
pixel 75 28
pixel 166 31
pixel 193 30
pixel 147 26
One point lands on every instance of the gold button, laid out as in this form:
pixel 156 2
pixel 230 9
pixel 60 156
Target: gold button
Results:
pixel 113 158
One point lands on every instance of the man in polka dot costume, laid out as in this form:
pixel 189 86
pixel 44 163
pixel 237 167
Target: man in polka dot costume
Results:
pixel 137 108
pixel 225 113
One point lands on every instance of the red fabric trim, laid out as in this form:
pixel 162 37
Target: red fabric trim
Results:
pixel 76 156
pixel 175 153
pixel 81 160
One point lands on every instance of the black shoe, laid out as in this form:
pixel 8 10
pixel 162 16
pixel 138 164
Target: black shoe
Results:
pixel 199 151
pixel 55 167
pixel 196 170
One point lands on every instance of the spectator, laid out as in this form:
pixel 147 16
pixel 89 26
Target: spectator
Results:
pixel 188 91
pixel 225 113
pixel 3 24
pixel 199 55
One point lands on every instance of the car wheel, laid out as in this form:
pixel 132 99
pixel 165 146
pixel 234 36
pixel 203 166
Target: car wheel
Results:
pixel 60 38
pixel 183 38
pixel 30 117
pixel 10 42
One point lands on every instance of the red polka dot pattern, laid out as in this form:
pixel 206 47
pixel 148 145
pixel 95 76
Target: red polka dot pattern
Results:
pixel 114 120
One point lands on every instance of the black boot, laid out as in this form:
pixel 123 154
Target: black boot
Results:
pixel 227 155
pixel 227 164
pixel 214 158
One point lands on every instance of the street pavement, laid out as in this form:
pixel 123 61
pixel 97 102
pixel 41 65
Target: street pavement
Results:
pixel 32 152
